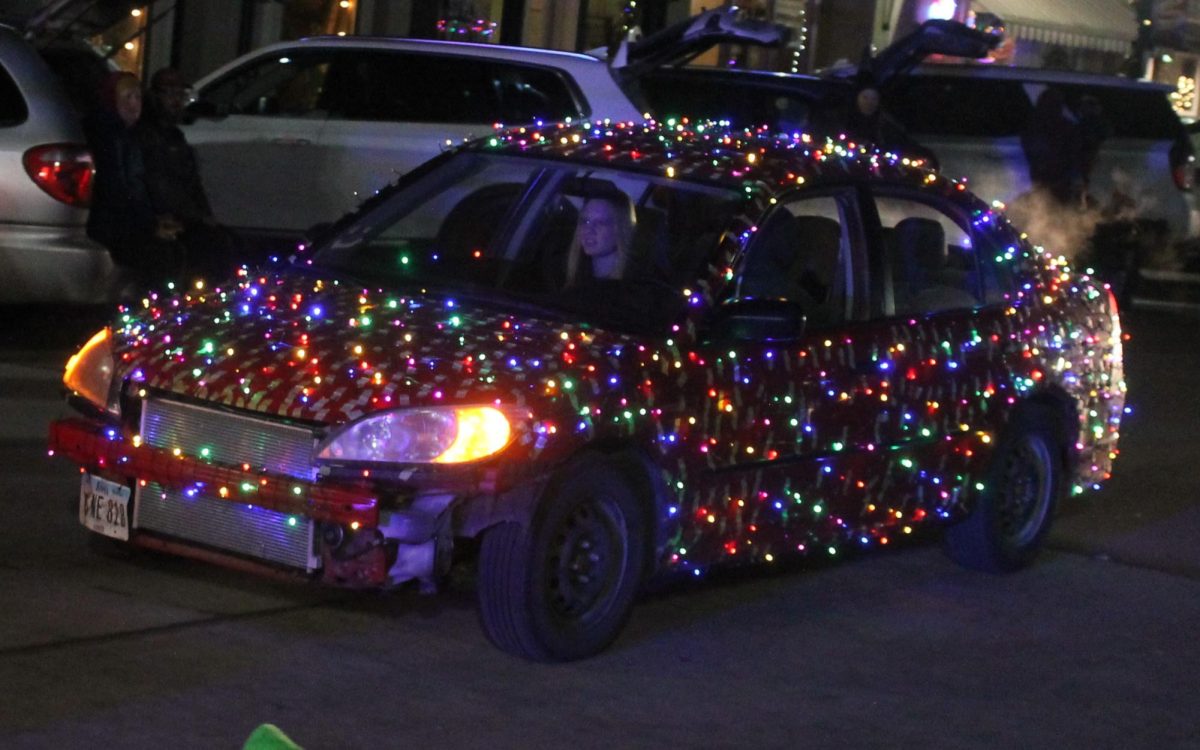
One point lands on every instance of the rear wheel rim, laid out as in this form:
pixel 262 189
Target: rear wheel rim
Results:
pixel 587 555
pixel 1026 491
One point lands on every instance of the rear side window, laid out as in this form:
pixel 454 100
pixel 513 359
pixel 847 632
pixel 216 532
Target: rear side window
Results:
pixel 1129 112
pixel 990 108
pixel 945 105
pixel 929 262
pixel 529 93
pixel 13 109
pixel 392 87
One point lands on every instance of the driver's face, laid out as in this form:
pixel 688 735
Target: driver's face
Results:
pixel 598 232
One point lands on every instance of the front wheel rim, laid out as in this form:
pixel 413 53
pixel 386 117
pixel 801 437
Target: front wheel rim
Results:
pixel 1024 497
pixel 587 555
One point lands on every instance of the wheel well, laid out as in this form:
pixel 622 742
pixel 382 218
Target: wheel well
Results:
pixel 649 486
pixel 635 468
pixel 1066 420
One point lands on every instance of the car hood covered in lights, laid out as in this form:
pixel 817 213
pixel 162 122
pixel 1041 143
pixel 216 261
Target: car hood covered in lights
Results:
pixel 316 349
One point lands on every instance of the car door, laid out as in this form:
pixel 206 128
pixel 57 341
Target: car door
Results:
pixel 789 424
pixel 256 132
pixel 936 345
pixel 394 110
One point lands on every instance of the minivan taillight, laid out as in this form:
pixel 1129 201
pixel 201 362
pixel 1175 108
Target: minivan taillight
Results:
pixel 1183 161
pixel 1185 175
pixel 63 170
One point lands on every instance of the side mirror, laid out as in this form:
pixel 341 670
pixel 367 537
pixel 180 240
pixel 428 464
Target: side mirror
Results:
pixel 758 320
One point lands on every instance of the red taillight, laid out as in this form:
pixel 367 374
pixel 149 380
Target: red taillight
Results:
pixel 63 170
pixel 1185 175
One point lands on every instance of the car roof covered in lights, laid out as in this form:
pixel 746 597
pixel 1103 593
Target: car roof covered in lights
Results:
pixel 711 152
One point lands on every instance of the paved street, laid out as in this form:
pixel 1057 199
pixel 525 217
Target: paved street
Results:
pixel 1093 647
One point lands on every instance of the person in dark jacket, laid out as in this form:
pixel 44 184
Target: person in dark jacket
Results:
pixel 863 119
pixel 141 240
pixel 173 177
pixel 1053 147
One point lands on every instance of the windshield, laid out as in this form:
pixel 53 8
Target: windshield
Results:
pixel 600 245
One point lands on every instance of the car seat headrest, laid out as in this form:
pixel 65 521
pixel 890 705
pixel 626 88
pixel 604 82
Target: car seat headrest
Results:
pixel 819 239
pixel 922 242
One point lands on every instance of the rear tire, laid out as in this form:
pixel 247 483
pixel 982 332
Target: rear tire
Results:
pixel 562 586
pixel 1024 484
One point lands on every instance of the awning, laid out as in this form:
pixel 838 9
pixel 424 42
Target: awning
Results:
pixel 1106 25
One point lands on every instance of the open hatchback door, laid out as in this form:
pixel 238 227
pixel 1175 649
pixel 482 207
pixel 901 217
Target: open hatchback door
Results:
pixel 682 41
pixel 934 37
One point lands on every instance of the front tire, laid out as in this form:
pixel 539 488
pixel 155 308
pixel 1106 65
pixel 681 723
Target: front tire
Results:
pixel 1024 484
pixel 562 586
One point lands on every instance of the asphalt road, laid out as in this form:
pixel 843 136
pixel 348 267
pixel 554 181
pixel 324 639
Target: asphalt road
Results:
pixel 1093 647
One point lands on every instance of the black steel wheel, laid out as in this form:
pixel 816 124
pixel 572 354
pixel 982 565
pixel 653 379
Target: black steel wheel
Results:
pixel 1016 507
pixel 562 586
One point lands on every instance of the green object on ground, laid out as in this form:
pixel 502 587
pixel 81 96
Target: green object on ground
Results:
pixel 269 737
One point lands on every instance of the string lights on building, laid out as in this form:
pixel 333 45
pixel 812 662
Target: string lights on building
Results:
pixel 1183 98
pixel 794 15
pixel 801 42
pixel 631 19
pixel 466 29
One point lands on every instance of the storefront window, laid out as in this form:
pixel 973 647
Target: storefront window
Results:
pixel 606 22
pixel 125 41
pixel 1179 70
pixel 303 18
pixel 469 28
pixel 755 57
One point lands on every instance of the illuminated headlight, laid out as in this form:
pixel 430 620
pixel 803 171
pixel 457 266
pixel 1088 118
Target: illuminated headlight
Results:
pixel 89 372
pixel 441 435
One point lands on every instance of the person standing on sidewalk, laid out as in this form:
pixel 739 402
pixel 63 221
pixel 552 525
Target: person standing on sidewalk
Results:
pixel 122 216
pixel 173 177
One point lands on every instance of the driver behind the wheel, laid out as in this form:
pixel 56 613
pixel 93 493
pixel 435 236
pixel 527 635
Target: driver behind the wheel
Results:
pixel 603 240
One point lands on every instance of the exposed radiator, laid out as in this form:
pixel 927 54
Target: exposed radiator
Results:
pixel 231 439
pixel 235 440
pixel 235 527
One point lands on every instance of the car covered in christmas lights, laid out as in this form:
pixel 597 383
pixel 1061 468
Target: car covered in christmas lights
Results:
pixel 808 348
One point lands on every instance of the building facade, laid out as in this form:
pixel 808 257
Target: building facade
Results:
pixel 1154 39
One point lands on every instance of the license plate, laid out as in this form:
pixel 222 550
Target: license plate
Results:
pixel 104 507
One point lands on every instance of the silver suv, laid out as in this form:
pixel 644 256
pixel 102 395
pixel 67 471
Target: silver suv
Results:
pixel 45 187
pixel 301 132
